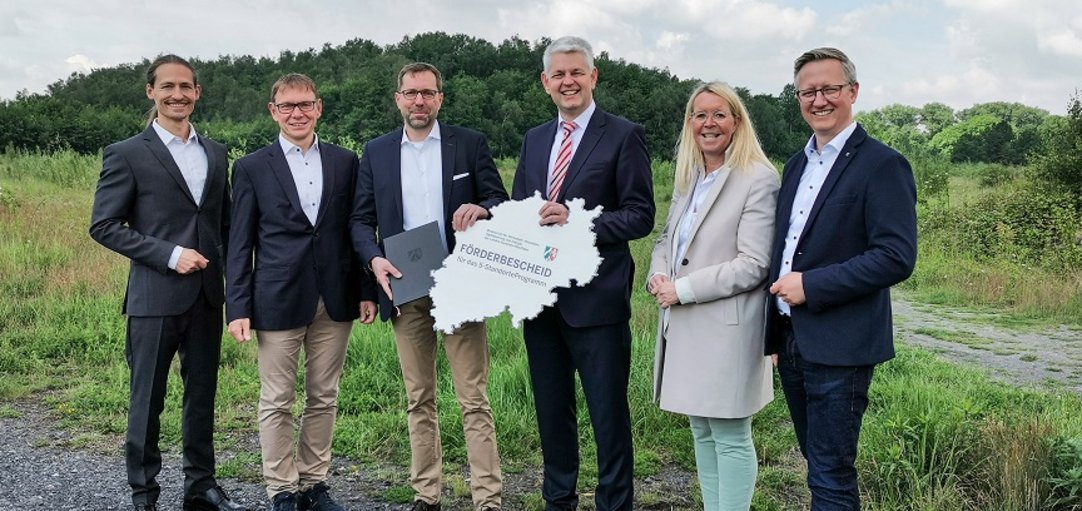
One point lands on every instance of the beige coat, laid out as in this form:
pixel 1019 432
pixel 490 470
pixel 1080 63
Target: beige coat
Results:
pixel 709 358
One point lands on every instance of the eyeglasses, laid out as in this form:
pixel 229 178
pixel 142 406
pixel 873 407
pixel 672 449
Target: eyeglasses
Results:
pixel 411 94
pixel 700 117
pixel 304 106
pixel 830 92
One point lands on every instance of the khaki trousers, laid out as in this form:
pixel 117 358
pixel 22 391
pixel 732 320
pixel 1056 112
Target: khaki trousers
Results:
pixel 324 343
pixel 467 354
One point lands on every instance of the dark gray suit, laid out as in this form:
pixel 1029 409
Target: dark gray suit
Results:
pixel 142 210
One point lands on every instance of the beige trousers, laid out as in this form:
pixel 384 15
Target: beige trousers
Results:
pixel 467 354
pixel 324 343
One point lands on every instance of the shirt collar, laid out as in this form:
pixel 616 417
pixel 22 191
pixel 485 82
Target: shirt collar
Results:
pixel 167 137
pixel 584 118
pixel 288 146
pixel 836 143
pixel 432 135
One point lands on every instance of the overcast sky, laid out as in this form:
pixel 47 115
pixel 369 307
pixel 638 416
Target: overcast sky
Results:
pixel 959 52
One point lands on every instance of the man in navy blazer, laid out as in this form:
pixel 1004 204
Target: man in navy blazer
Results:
pixel 291 276
pixel 589 154
pixel 845 231
pixel 163 202
pixel 427 172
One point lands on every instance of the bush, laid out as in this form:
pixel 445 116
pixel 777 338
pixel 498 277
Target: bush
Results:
pixel 1061 164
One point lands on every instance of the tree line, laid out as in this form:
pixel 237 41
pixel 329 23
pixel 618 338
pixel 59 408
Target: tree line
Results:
pixel 494 88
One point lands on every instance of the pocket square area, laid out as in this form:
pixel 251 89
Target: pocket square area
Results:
pixel 459 176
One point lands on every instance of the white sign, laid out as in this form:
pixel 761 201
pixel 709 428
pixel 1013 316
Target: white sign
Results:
pixel 510 262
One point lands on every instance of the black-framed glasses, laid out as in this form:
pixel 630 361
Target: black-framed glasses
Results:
pixel 411 94
pixel 304 106
pixel 830 92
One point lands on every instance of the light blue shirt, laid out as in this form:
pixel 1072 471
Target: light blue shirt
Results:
pixel 191 159
pixel 307 170
pixel 811 181
pixel 422 182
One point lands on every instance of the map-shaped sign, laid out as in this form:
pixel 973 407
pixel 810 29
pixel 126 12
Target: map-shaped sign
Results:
pixel 511 263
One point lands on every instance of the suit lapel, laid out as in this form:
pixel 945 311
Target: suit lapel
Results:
pixel 212 165
pixel 447 155
pixel 708 202
pixel 280 168
pixel 786 195
pixel 539 159
pixel 848 151
pixel 680 208
pixel 328 169
pixel 158 149
pixel 595 129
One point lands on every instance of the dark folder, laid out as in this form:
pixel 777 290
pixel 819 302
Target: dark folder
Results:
pixel 415 253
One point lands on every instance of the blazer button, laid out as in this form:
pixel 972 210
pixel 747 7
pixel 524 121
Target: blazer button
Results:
pixel 684 262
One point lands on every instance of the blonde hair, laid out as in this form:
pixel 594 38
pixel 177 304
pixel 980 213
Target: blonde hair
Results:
pixel 743 151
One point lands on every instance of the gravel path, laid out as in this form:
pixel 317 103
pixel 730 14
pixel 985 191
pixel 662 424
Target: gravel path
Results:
pixel 1028 356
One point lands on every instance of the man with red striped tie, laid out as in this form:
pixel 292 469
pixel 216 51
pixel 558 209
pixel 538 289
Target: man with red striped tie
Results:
pixel 589 154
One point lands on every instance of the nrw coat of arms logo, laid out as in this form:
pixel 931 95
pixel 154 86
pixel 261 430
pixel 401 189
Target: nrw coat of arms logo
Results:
pixel 550 253
pixel 414 255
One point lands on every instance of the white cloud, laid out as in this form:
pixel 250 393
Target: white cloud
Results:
pixel 80 63
pixel 1063 42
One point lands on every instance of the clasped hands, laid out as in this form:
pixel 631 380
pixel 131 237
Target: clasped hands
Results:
pixel 663 289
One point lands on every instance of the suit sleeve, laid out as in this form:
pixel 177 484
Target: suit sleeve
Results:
pixel 488 187
pixel 633 216
pixel 890 221
pixel 241 246
pixel 368 281
pixel 113 202
pixel 659 258
pixel 363 221
pixel 518 183
pixel 754 239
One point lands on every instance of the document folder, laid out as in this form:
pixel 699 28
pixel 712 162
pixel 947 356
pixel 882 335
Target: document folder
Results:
pixel 415 253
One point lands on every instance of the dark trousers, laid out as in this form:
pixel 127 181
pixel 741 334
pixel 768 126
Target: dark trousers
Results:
pixel 827 404
pixel 152 341
pixel 602 357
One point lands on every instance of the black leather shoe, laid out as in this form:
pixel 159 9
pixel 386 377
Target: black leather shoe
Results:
pixel 212 499
pixel 146 507
pixel 420 505
pixel 317 498
pixel 285 501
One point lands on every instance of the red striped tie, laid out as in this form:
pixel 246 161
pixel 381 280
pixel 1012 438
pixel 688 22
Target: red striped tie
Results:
pixel 563 160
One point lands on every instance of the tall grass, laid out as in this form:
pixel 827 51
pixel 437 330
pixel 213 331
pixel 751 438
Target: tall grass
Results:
pixel 936 437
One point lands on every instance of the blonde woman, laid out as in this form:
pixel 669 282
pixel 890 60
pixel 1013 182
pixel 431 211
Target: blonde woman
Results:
pixel 707 273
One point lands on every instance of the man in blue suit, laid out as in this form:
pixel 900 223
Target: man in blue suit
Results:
pixel 845 232
pixel 425 172
pixel 301 291
pixel 589 154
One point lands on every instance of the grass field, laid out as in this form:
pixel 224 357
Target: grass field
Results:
pixel 936 437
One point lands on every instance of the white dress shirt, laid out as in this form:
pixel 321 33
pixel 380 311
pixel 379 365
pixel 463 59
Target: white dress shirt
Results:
pixel 191 159
pixel 307 170
pixel 702 189
pixel 422 182
pixel 576 136
pixel 811 181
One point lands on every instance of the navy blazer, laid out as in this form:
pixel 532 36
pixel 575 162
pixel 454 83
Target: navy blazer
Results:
pixel 143 209
pixel 469 177
pixel 295 263
pixel 860 239
pixel 611 169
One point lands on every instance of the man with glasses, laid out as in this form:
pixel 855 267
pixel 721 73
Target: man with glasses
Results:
pixel 427 172
pixel 845 231
pixel 292 277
